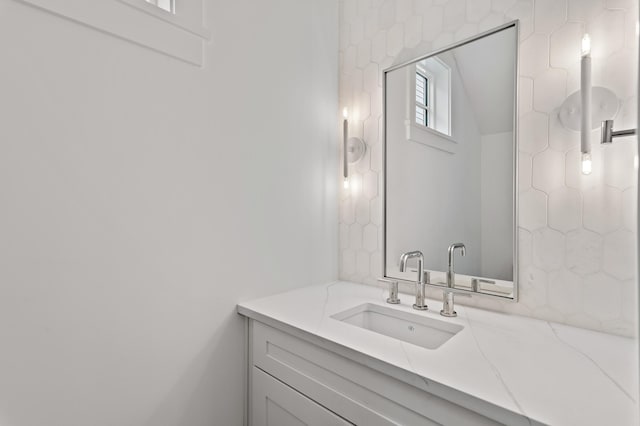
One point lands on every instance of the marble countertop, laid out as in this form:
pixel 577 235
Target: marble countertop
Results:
pixel 547 372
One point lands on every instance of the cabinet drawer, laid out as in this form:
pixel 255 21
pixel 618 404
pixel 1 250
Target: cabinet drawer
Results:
pixel 353 391
pixel 276 404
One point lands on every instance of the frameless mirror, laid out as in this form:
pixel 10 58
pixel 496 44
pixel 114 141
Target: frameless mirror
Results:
pixel 450 163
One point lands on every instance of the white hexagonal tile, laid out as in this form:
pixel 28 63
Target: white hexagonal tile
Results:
pixel 347 211
pixel 363 106
pixel 364 165
pixel 583 320
pixel 375 209
pixel 602 209
pixel 356 30
pixel 363 55
pixel 348 264
pixel 376 157
pixel 620 256
pixel 533 132
pixel 549 15
pixel 370 185
pixel 629 292
pixel 454 13
pixel 525 247
pixel 379 46
pixel 477 10
pixel 620 73
pixel 565 44
pixel 618 168
pixel 561 138
pixel 573 169
pixel 404 10
pixel 362 210
pixel 412 32
pixel 502 5
pixel 443 40
pixel 525 164
pixel 522 10
pixel 387 15
pixel 602 297
pixel 362 263
pixel 371 78
pixel 565 209
pixel 525 95
pixel 548 170
pixel 534 55
pixel 583 252
pixel 370 23
pixel 376 268
pixel 491 21
pixel 355 236
pixel 465 31
pixel 370 237
pixel 549 90
pixel 628 114
pixel 547 313
pixel 630 209
pixel 370 133
pixel 344 236
pixel 532 287
pixel 607 33
pixel 395 39
pixel 565 292
pixel 533 209
pixel 548 249
pixel 432 23
pixel 584 10
pixel 349 59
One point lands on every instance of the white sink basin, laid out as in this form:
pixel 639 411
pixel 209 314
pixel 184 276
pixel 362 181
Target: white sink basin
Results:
pixel 411 328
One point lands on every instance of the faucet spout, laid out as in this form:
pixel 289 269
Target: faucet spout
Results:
pixel 447 305
pixel 420 285
pixel 451 281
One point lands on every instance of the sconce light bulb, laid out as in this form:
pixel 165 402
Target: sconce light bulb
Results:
pixel 586 163
pixel 586 45
pixel 635 162
pixel 345 113
pixel 346 183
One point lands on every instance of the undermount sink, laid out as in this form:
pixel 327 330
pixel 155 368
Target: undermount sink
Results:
pixel 411 328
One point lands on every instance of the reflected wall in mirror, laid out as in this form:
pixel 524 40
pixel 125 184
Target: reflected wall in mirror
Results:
pixel 450 163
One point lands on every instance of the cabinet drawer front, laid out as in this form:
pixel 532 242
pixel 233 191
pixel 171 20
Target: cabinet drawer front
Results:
pixel 359 394
pixel 276 404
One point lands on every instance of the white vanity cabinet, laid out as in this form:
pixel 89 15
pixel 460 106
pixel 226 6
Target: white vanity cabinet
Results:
pixel 296 380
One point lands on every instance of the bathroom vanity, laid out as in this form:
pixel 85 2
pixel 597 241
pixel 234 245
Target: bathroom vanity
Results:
pixel 338 354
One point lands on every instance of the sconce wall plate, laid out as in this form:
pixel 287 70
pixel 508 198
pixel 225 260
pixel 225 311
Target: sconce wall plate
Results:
pixel 604 106
pixel 355 150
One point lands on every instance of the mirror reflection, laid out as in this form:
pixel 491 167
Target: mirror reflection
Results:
pixel 449 165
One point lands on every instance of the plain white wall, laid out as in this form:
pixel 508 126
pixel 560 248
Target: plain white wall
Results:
pixel 496 205
pixel 142 198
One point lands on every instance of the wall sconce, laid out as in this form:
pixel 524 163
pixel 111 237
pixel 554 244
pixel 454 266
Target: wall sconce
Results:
pixel 587 106
pixel 585 96
pixel 353 148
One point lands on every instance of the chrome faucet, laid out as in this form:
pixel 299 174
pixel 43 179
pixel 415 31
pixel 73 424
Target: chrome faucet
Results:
pixel 404 258
pixel 447 297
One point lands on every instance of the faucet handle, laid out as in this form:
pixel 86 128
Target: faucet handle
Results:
pixel 393 291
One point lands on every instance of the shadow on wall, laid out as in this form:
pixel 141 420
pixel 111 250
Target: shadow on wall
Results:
pixel 194 400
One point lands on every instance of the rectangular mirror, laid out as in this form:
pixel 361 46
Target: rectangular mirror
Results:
pixel 450 163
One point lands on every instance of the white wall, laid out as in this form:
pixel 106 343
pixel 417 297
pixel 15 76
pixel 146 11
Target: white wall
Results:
pixel 496 205
pixel 142 198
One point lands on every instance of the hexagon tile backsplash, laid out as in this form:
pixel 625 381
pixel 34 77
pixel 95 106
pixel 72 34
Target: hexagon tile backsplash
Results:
pixel 577 233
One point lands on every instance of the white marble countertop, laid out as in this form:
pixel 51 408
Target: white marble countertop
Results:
pixel 549 373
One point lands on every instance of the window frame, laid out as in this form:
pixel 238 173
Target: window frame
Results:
pixel 180 35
